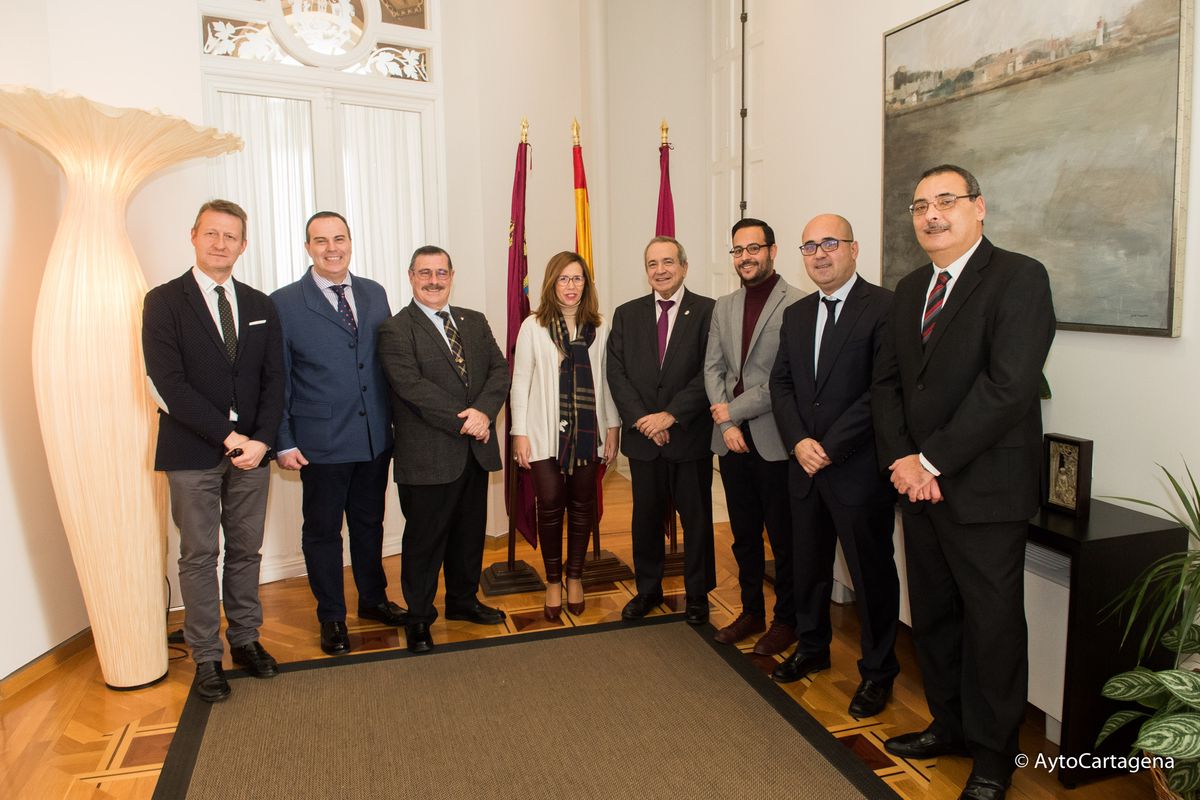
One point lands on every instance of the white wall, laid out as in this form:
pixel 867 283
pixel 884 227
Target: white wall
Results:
pixel 549 60
pixel 822 132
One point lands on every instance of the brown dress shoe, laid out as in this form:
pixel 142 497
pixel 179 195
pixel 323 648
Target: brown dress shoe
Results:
pixel 779 637
pixel 740 628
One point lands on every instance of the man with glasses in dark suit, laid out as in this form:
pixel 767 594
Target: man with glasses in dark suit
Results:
pixel 449 380
pixel 959 424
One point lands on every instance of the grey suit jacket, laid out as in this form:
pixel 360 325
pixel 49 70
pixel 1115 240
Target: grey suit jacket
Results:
pixel 723 368
pixel 428 393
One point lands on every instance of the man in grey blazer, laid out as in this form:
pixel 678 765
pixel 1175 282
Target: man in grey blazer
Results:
pixel 449 380
pixel 742 342
pixel 337 429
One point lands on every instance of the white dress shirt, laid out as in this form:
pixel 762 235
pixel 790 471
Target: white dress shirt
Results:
pixel 207 285
pixel 822 312
pixel 437 321
pixel 324 283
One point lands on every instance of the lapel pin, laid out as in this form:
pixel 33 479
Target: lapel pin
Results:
pixel 687 312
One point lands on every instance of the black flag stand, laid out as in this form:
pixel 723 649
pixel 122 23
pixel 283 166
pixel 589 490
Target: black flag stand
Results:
pixel 601 566
pixel 513 576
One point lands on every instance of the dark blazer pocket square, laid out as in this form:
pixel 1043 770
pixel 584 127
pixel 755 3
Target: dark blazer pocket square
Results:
pixel 258 322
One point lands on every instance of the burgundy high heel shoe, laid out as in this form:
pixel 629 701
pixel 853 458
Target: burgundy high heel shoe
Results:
pixel 552 613
pixel 577 608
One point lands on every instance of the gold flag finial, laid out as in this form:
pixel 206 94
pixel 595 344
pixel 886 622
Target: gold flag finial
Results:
pixel 524 130
pixel 575 132
pixel 663 129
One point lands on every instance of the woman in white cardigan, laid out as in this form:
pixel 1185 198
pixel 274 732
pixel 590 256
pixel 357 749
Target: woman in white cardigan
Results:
pixel 564 421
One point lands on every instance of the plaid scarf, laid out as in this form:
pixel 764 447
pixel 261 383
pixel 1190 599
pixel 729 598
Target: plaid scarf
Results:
pixel 576 397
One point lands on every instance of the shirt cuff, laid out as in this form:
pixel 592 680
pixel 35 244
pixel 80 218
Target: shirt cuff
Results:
pixel 929 467
pixel 285 452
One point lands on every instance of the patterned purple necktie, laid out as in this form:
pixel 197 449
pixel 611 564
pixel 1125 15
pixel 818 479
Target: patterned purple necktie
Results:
pixel 933 306
pixel 344 307
pixel 662 328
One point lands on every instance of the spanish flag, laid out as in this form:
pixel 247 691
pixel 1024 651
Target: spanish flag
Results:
pixel 583 214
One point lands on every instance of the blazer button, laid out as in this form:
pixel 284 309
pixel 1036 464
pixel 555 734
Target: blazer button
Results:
pixel 362 413
pixel 920 387
pixel 352 345
pixel 364 388
pixel 360 366
pixel 817 404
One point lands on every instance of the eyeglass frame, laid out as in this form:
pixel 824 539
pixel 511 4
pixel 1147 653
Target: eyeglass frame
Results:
pixel 912 207
pixel 568 280
pixel 737 251
pixel 425 273
pixel 821 244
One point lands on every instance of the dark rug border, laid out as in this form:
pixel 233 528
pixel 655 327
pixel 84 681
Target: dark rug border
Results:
pixel 176 774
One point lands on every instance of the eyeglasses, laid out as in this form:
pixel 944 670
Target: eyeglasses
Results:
pixel 828 245
pixel 426 274
pixel 570 280
pixel 752 249
pixel 943 202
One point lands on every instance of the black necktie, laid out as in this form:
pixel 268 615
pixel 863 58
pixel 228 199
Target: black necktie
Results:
pixel 456 348
pixel 344 307
pixel 228 329
pixel 827 332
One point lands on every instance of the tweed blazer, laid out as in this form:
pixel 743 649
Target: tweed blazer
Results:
pixel 723 367
pixel 428 394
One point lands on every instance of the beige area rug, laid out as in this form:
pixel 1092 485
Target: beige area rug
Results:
pixel 653 710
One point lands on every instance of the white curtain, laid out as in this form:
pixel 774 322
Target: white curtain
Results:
pixel 384 193
pixel 272 178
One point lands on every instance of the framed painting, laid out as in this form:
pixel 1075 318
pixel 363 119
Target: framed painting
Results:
pixel 1074 117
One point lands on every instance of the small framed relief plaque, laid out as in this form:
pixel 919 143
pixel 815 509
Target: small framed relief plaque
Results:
pixel 1067 474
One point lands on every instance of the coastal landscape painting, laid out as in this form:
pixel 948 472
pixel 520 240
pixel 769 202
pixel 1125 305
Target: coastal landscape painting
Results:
pixel 1072 115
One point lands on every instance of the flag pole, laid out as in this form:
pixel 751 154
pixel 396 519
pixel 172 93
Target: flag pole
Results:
pixel 513 576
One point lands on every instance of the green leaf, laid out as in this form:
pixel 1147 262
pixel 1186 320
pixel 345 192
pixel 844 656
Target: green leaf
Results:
pixel 1136 684
pixel 1177 736
pixel 1183 684
pixel 1185 777
pixel 1116 721
pixel 1189 643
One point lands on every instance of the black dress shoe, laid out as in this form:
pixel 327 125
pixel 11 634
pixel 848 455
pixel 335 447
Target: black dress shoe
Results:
pixel 477 613
pixel 696 610
pixel 210 684
pixel 641 605
pixel 386 612
pixel 335 639
pixel 978 788
pixel 797 666
pixel 924 744
pixel 255 659
pixel 419 640
pixel 870 698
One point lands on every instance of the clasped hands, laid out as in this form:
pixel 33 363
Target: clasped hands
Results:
pixel 476 424
pixel 656 427
pixel 912 480
pixel 252 451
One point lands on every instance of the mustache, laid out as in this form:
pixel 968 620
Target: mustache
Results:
pixel 936 227
pixel 432 287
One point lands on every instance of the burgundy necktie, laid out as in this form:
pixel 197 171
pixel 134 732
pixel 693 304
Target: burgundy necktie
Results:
pixel 933 307
pixel 662 328
pixel 343 307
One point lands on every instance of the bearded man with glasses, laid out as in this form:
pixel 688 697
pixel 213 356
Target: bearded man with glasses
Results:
pixel 742 341
pixel 958 424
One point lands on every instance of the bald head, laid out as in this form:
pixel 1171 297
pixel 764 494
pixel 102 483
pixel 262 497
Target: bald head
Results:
pixel 835 252
pixel 827 222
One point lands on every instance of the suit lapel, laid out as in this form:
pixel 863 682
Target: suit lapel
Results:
pixel 773 301
pixel 683 324
pixel 320 305
pixel 806 318
pixel 968 279
pixel 856 303
pixel 195 299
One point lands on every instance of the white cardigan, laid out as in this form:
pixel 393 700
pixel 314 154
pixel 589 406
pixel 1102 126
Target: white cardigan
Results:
pixel 533 402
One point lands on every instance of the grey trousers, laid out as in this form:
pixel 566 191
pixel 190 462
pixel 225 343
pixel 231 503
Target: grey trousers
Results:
pixel 202 502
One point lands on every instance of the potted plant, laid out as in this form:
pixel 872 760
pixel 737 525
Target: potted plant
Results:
pixel 1165 600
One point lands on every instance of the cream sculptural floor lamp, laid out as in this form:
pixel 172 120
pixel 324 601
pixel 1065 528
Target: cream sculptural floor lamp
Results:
pixel 93 402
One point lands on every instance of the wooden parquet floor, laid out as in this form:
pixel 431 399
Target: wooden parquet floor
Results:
pixel 64 735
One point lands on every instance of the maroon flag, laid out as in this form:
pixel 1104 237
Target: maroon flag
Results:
pixel 665 224
pixel 518 309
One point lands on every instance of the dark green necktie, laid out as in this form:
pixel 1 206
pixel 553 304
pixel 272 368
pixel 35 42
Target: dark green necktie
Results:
pixel 456 348
pixel 228 329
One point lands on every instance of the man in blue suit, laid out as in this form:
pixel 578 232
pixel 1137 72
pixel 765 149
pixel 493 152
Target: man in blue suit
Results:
pixel 336 426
